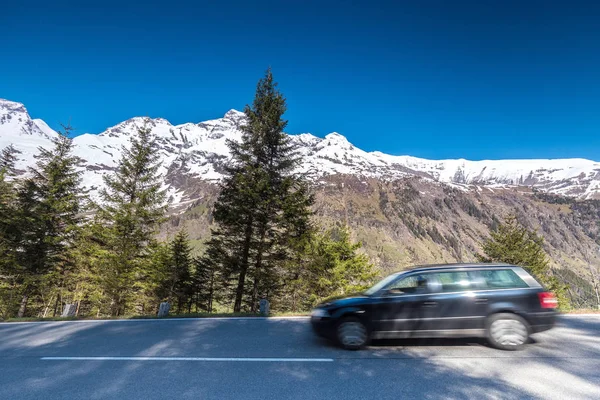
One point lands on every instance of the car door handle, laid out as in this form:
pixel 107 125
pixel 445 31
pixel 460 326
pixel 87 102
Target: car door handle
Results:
pixel 481 301
pixel 430 303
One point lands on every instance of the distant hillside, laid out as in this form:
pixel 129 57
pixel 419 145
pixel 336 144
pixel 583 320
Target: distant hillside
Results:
pixel 414 221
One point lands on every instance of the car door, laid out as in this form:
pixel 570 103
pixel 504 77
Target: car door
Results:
pixel 398 310
pixel 457 304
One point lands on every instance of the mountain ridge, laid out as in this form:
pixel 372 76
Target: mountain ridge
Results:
pixel 199 150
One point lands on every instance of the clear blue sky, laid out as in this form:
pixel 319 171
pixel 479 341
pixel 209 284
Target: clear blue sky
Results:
pixel 437 79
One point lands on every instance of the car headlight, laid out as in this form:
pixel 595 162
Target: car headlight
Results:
pixel 319 312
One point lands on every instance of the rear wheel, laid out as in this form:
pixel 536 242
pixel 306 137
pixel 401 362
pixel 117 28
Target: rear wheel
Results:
pixel 352 333
pixel 507 331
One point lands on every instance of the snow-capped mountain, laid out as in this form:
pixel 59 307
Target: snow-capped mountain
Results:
pixel 198 150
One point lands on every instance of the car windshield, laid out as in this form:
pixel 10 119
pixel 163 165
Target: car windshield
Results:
pixel 381 284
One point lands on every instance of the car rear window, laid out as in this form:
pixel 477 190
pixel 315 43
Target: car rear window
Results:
pixel 456 281
pixel 502 279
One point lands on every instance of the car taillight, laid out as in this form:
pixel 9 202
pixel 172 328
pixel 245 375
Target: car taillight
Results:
pixel 548 300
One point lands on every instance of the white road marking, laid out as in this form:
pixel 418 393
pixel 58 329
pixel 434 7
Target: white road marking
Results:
pixel 234 359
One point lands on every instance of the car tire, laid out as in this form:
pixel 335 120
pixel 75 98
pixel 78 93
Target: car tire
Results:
pixel 352 333
pixel 506 331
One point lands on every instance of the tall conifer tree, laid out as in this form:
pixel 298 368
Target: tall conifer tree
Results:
pixel 133 206
pixel 515 244
pixel 262 204
pixel 49 209
pixel 9 227
pixel 180 273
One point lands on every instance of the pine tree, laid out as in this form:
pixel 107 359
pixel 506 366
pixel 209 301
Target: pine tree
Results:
pixel 81 284
pixel 327 264
pixel 155 283
pixel 180 274
pixel 8 160
pixel 58 182
pixel 9 228
pixel 205 282
pixel 262 203
pixel 133 206
pixel 515 244
pixel 30 247
pixel 169 274
pixel 8 196
pixel 50 203
pixel 228 249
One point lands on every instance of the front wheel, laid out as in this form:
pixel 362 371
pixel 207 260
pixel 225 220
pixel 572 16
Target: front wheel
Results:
pixel 507 331
pixel 352 334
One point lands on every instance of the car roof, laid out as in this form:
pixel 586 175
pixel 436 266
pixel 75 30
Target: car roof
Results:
pixel 432 267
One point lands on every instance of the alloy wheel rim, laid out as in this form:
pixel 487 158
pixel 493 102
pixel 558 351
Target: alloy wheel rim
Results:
pixel 508 332
pixel 352 333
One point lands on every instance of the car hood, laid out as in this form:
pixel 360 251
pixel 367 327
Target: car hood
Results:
pixel 344 301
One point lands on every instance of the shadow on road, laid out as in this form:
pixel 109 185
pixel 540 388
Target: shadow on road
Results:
pixel 561 364
pixel 430 342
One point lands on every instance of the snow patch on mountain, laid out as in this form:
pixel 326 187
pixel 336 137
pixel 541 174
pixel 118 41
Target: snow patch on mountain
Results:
pixel 200 150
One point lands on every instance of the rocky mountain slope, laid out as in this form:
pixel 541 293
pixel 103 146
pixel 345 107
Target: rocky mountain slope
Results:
pixel 197 150
pixel 413 220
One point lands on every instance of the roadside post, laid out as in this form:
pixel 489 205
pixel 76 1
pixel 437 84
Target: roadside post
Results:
pixel 163 309
pixel 69 310
pixel 264 307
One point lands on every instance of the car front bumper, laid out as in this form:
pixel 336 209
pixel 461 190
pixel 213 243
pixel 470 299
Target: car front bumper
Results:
pixel 323 326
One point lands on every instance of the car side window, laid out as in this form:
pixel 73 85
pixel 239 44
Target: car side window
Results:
pixel 410 284
pixel 502 279
pixel 457 281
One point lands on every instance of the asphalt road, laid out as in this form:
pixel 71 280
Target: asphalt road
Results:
pixel 281 359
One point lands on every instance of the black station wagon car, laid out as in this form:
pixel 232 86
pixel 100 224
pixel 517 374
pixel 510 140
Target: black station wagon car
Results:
pixel 503 303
